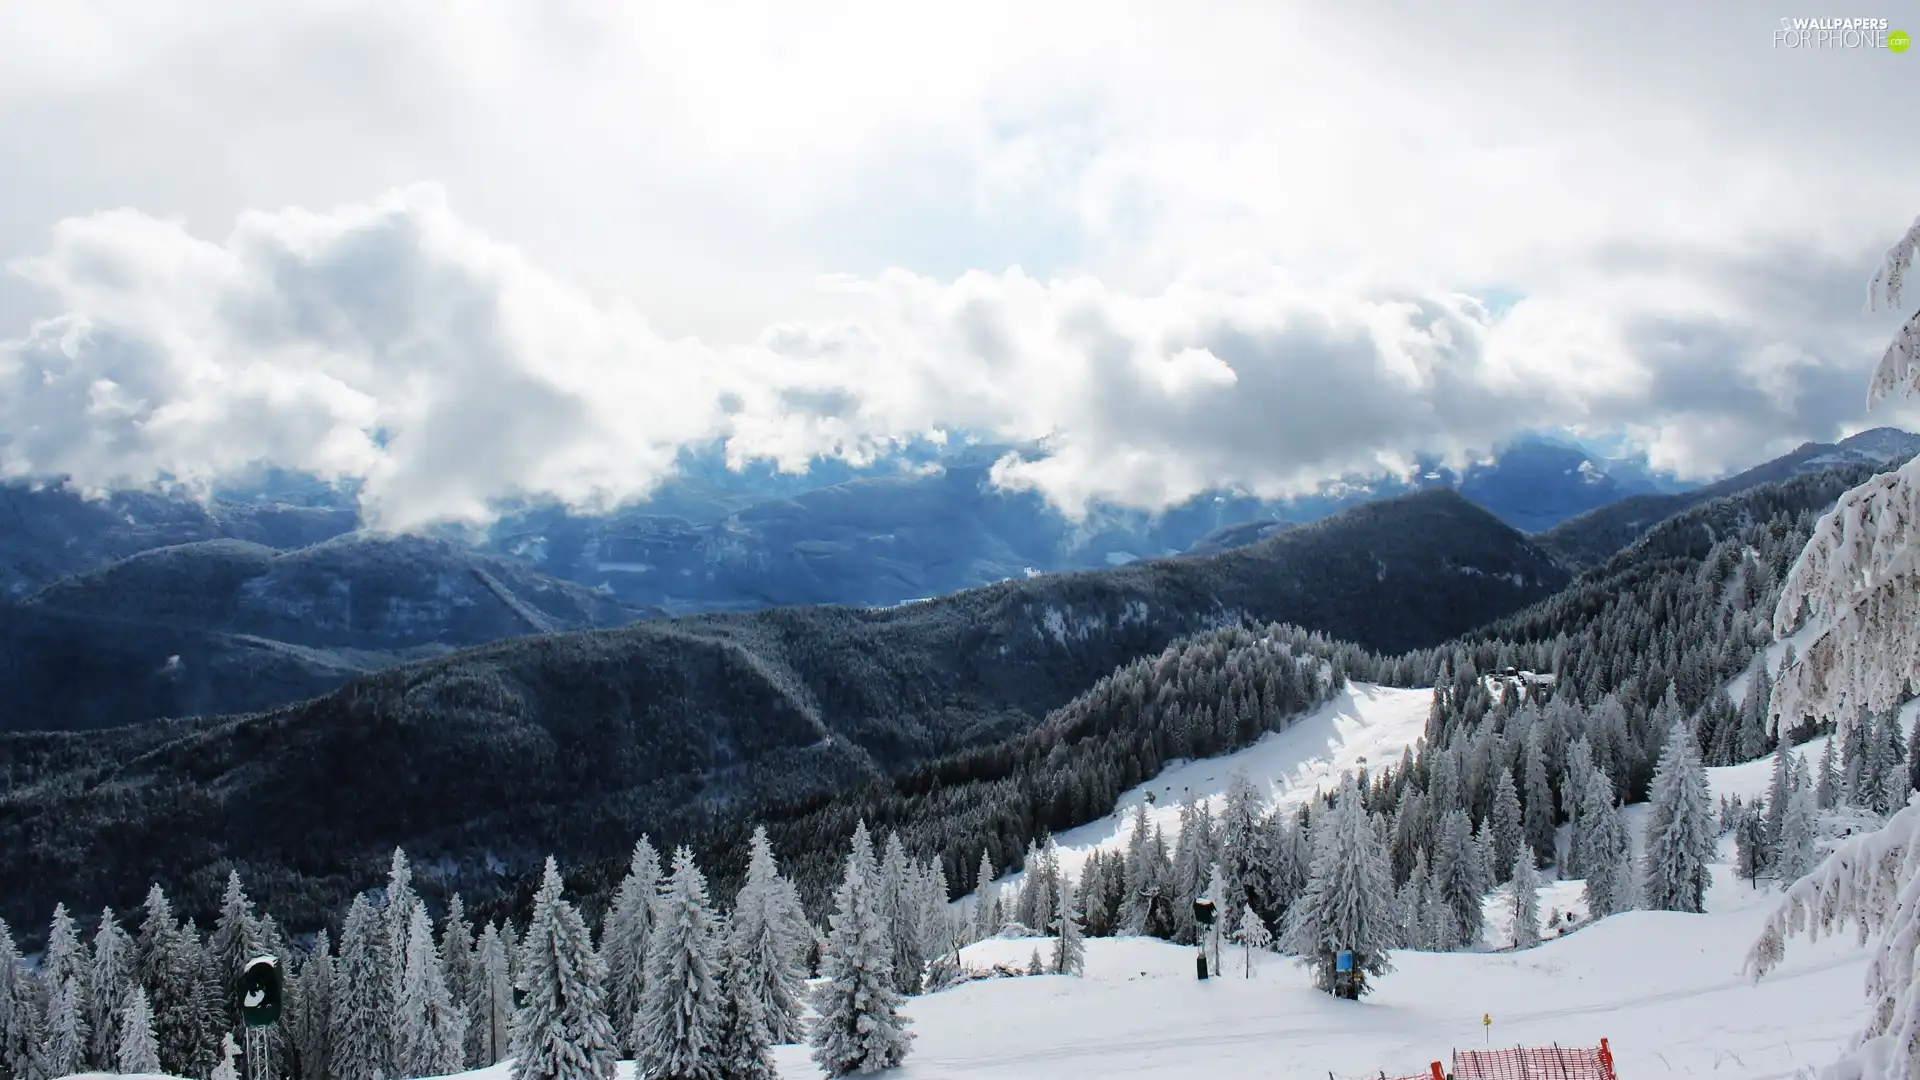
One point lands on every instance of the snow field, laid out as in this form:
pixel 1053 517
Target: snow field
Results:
pixel 1363 726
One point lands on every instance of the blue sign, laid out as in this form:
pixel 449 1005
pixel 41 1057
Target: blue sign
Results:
pixel 1343 962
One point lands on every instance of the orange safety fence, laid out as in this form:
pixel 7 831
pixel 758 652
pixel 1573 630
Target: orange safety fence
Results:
pixel 1535 1063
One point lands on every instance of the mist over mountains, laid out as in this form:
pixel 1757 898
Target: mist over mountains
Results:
pixel 141 605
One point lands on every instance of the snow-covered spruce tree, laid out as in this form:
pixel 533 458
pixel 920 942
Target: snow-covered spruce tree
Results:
pixel 1680 836
pixel 676 1031
pixel 1348 902
pixel 110 978
pixel 362 1036
pixel 938 929
pixel 1192 863
pixel 1538 813
pixel 745 1051
pixel 624 933
pixel 1459 875
pixel 1605 851
pixel 1779 793
pixel 309 1019
pixel 134 1051
pixel 234 941
pixel 986 904
pixel 763 939
pixel 860 1028
pixel 1238 849
pixel 1793 856
pixel 1136 909
pixel 1855 583
pixel 1826 792
pixel 1751 852
pixel 229 1067
pixel 1504 817
pixel 562 1031
pixel 900 908
pixel 64 1035
pixel 431 1030
pixel 1069 947
pixel 17 1034
pixel 490 1004
pixel 1525 903
pixel 1253 936
pixel 456 956
pixel 171 963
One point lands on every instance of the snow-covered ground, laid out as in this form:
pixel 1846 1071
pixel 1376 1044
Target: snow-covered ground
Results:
pixel 1365 725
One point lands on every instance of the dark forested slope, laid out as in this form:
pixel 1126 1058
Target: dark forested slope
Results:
pixel 574 743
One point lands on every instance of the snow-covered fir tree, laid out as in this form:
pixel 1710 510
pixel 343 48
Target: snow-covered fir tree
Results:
pixel 677 1029
pixel 860 1027
pixel 63 1034
pixel 110 978
pixel 234 941
pixel 986 902
pixel 766 941
pixel 229 1067
pixel 1253 936
pixel 362 1036
pixel 1752 854
pixel 1605 851
pixel 1136 910
pixel 1779 793
pixel 1348 902
pixel 1239 849
pixel 1192 862
pixel 1854 583
pixel 1460 875
pixel 1826 792
pixel 18 1024
pixel 431 1030
pixel 1525 907
pixel 938 930
pixel 561 1032
pixel 172 968
pixel 1069 950
pixel 1680 838
pixel 625 932
pixel 899 903
pixel 1794 853
pixel 309 1018
pixel 1505 820
pixel 1538 811
pixel 456 957
pixel 135 1051
pixel 490 1004
pixel 745 1050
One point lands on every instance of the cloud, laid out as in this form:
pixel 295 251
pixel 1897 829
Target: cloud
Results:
pixel 394 342
pixel 1260 242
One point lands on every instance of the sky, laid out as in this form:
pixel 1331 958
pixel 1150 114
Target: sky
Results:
pixel 504 250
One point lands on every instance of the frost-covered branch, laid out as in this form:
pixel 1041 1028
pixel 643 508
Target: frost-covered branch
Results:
pixel 1900 367
pixel 1856 578
pixel 1869 882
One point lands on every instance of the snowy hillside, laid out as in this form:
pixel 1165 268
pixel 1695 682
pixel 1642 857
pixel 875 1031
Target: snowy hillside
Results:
pixel 1664 989
pixel 1364 725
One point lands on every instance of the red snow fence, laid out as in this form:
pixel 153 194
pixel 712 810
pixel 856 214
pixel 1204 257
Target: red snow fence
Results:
pixel 1534 1063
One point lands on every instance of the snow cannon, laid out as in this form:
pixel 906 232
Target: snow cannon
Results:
pixel 260 992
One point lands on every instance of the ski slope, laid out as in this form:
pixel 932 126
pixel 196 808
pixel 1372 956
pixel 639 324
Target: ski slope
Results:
pixel 1363 726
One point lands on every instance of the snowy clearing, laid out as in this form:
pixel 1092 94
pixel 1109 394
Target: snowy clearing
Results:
pixel 1364 725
